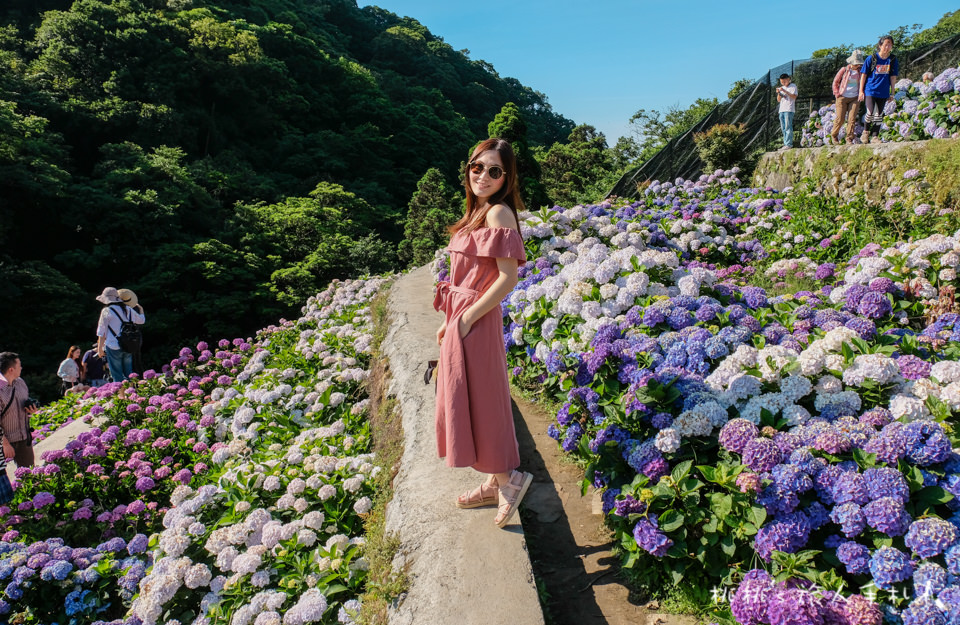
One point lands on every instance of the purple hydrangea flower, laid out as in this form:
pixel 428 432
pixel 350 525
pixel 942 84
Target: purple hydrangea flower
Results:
pixel 649 537
pixel 736 433
pixel 850 486
pixel 794 606
pixel 913 368
pixel 874 305
pixel 749 602
pixel 761 455
pixel 861 611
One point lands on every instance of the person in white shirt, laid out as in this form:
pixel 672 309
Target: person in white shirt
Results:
pixel 69 371
pixel 115 312
pixel 787 97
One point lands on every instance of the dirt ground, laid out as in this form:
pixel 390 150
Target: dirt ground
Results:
pixel 570 549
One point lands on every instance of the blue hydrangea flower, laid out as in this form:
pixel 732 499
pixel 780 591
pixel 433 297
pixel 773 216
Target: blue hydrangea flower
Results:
pixel 887 515
pixel 929 579
pixel 817 514
pixel 791 478
pixel 788 533
pixel 855 557
pixel 888 566
pixel 930 537
pixel 886 482
pixel 850 486
pixel 849 516
pixel 924 611
pixel 926 442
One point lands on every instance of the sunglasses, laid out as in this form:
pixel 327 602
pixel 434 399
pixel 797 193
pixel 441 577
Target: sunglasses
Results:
pixel 495 171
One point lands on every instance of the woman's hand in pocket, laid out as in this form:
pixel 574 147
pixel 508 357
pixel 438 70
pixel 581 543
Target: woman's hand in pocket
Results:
pixel 440 332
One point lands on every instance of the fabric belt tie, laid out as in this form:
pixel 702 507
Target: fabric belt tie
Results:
pixel 442 297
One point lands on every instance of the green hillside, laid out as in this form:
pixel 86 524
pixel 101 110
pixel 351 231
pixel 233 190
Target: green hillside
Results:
pixel 223 159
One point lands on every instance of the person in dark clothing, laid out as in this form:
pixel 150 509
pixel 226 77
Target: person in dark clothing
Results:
pixel 94 368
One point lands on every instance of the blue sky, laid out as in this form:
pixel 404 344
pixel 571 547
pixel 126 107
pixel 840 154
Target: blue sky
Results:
pixel 600 61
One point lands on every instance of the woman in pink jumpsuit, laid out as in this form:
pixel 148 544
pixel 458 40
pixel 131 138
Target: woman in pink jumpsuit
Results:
pixel 474 417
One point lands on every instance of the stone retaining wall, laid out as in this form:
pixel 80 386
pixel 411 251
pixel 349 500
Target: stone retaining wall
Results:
pixel 843 171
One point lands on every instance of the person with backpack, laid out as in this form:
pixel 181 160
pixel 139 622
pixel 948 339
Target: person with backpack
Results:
pixel 879 74
pixel 118 333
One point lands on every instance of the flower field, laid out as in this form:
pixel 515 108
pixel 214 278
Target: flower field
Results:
pixel 229 488
pixel 763 387
pixel 919 111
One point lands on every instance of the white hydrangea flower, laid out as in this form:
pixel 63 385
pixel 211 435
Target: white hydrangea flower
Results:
pixel 667 440
pixel 908 408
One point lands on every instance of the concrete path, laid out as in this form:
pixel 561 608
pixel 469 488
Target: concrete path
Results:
pixel 463 570
pixel 57 440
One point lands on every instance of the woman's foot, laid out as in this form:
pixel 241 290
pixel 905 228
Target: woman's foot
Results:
pixel 511 494
pixel 487 494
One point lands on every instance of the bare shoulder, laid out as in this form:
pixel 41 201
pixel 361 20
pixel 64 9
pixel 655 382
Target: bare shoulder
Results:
pixel 500 216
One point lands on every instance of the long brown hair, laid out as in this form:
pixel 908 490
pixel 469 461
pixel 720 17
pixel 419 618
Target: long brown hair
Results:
pixel 509 193
pixel 72 349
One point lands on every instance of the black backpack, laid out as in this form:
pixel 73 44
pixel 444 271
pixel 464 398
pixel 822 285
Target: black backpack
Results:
pixel 130 338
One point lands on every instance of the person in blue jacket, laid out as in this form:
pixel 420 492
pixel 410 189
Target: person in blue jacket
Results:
pixel 877 78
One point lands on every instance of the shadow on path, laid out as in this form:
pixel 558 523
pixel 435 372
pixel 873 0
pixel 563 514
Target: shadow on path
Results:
pixel 570 548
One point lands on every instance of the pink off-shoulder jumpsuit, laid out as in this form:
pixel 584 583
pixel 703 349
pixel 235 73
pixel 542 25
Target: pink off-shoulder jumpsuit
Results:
pixel 474 417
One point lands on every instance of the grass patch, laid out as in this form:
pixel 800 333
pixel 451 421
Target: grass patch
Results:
pixel 942 163
pixel 787 285
pixel 384 584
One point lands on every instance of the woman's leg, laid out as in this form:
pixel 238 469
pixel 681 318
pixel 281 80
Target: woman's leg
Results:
pixel 127 364
pixel 874 116
pixel 115 364
pixel 852 107
pixel 840 108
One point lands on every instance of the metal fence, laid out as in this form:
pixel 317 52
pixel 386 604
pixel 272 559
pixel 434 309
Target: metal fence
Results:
pixel 756 108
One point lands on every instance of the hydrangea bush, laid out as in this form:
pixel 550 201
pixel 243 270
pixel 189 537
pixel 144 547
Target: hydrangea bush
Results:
pixel 918 111
pixel 808 432
pixel 229 488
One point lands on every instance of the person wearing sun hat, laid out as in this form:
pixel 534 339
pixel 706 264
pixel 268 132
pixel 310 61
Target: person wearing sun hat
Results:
pixel 120 307
pixel 846 89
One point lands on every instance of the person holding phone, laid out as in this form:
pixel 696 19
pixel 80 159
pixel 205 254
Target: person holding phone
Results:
pixel 787 97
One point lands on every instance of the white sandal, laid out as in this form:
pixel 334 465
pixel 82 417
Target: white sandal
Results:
pixel 511 494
